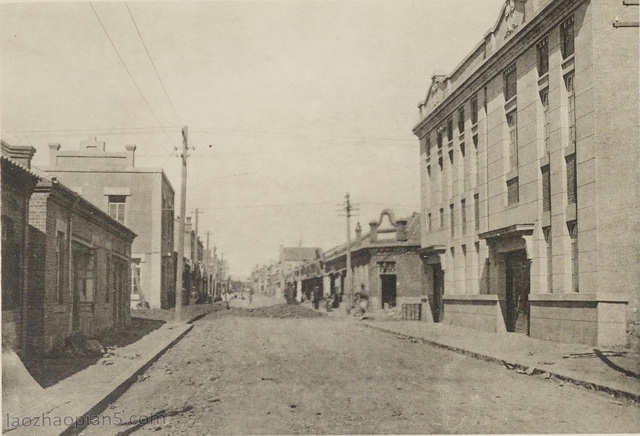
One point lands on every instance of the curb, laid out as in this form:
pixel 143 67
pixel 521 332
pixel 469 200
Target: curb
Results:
pixel 618 393
pixel 120 389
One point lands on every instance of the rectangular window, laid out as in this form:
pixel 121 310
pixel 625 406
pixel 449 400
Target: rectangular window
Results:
pixel 116 207
pixel 439 138
pixel 476 211
pixel 572 189
pixel 450 129
pixel 542 57
pixel 474 110
pixel 135 277
pixel 463 216
pixel 429 171
pixel 462 149
pixel 452 220
pixel 566 38
pixel 510 83
pixel 571 107
pixel 573 234
pixel 461 120
pixel 440 163
pixel 84 260
pixel 429 221
pixel 544 101
pixel 512 123
pixel 61 266
pixel 547 238
pixel 513 191
pixel 546 188
pixel 441 218
pixel 428 145
pixel 451 156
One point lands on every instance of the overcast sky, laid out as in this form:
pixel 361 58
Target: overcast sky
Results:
pixel 301 102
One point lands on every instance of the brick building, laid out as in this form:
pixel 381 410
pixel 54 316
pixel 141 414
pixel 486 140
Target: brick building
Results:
pixel 18 183
pixel 529 170
pixel 385 263
pixel 79 267
pixel 140 198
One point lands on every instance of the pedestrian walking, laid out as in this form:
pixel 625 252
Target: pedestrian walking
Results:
pixel 250 295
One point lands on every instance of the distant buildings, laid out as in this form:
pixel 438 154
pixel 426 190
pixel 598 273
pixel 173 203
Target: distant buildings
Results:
pixel 529 164
pixel 140 198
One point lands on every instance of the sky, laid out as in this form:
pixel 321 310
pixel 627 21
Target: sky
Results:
pixel 289 104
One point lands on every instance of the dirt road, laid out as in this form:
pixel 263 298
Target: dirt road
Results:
pixel 243 372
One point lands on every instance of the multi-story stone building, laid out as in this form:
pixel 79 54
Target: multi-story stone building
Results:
pixel 140 198
pixel 529 166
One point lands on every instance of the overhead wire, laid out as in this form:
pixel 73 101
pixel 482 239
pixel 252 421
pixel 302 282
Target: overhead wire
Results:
pixel 129 73
pixel 153 64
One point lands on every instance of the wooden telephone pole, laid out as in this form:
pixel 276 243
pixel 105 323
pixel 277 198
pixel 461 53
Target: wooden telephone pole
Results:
pixel 183 206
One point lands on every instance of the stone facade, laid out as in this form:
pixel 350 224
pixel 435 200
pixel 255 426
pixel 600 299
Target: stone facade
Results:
pixel 529 168
pixel 142 198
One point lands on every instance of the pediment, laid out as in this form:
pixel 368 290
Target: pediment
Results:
pixel 510 20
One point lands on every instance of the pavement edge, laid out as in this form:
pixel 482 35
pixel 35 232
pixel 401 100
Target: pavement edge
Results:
pixel 120 389
pixel 619 393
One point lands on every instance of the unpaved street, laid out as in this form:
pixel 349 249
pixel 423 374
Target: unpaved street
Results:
pixel 237 374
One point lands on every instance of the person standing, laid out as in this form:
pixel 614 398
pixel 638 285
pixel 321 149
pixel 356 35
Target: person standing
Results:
pixel 317 296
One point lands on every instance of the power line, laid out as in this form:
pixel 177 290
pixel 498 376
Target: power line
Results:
pixel 129 72
pixel 103 129
pixel 153 64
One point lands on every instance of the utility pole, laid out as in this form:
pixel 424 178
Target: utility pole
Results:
pixel 208 268
pixel 349 276
pixel 183 206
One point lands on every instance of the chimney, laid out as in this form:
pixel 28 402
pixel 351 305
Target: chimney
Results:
pixel 131 154
pixel 53 154
pixel 92 144
pixel 401 230
pixel 373 232
pixel 358 232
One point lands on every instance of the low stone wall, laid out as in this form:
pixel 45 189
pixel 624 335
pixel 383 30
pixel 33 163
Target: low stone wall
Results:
pixel 592 319
pixel 479 312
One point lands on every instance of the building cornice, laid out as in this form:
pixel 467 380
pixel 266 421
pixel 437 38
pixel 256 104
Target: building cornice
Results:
pixel 547 18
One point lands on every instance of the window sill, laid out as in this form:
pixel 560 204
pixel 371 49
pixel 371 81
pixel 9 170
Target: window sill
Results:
pixel 511 104
pixel 569 149
pixel 543 82
pixel 568 64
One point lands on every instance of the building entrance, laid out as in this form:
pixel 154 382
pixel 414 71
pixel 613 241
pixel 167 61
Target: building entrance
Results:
pixel 388 283
pixel 438 291
pixel 517 287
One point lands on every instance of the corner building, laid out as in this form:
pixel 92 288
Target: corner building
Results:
pixel 529 168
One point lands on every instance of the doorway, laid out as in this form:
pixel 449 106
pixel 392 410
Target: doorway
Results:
pixel 388 284
pixel 517 286
pixel 438 291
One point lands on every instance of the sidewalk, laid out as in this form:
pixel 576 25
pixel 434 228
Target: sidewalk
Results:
pixel 613 371
pixel 63 407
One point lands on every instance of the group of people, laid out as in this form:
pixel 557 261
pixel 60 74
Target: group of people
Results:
pixel 361 302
